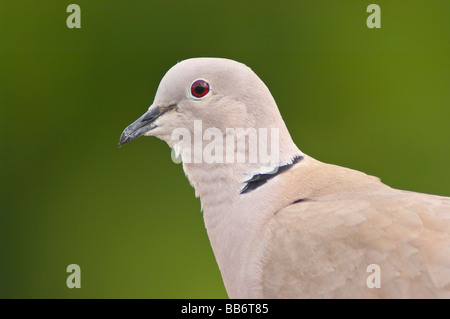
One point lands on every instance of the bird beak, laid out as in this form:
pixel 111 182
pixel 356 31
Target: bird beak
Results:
pixel 143 124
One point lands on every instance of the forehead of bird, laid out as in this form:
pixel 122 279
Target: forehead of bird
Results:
pixel 225 77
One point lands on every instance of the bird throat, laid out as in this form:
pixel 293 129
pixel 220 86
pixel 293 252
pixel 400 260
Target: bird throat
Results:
pixel 258 180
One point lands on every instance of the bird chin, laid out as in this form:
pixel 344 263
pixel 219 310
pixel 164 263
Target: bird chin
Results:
pixel 160 133
pixel 149 133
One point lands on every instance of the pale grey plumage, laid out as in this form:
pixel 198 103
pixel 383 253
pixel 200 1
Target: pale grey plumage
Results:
pixel 310 231
pixel 348 220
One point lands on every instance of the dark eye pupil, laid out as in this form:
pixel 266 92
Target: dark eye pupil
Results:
pixel 199 88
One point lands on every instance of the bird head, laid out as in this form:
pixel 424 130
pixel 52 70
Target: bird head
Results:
pixel 208 94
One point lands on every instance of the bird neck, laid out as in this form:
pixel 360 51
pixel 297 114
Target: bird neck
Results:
pixel 234 216
pixel 260 179
pixel 220 185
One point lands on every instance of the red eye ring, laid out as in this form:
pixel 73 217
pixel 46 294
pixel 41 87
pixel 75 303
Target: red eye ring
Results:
pixel 199 88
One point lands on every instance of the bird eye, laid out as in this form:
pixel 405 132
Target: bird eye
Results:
pixel 199 88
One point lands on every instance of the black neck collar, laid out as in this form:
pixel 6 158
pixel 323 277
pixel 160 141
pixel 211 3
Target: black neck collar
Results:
pixel 259 179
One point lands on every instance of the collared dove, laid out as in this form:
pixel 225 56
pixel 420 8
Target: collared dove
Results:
pixel 291 227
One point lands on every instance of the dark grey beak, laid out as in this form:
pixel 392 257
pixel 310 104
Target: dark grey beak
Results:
pixel 143 124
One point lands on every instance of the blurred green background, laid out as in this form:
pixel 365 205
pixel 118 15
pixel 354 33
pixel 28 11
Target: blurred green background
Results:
pixel 377 100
